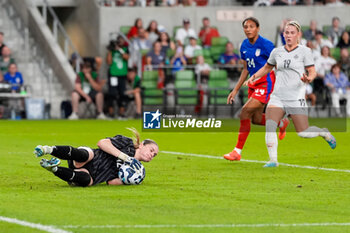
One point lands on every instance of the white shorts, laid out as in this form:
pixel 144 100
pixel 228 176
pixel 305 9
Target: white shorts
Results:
pixel 291 107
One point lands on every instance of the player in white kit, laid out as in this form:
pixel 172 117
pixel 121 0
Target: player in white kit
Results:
pixel 294 68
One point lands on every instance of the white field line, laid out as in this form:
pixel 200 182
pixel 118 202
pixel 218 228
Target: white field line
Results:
pixel 38 226
pixel 325 224
pixel 256 161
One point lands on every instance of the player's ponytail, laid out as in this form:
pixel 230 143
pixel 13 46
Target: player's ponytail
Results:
pixel 136 137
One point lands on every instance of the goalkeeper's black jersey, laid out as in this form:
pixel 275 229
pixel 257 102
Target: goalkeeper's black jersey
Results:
pixel 104 167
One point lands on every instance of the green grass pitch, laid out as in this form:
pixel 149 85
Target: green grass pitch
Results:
pixel 182 193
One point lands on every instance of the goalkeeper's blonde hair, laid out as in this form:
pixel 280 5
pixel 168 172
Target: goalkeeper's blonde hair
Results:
pixel 136 139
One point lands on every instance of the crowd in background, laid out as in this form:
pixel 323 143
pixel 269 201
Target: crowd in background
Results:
pixel 176 3
pixel 13 80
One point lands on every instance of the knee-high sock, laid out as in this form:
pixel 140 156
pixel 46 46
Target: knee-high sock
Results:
pixel 271 139
pixel 79 178
pixel 243 133
pixel 70 153
pixel 312 132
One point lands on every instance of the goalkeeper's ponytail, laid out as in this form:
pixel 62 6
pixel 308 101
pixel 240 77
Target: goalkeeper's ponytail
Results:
pixel 136 139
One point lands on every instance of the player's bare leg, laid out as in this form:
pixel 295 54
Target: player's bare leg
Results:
pixel 301 123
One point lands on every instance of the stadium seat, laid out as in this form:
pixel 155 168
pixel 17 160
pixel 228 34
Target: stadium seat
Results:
pixel 206 53
pixel 347 28
pixel 216 51
pixel 186 88
pixel 218 92
pixel 170 53
pixel 325 28
pixel 335 52
pixel 304 28
pixel 209 61
pixel 219 41
pixel 186 92
pixel 150 94
pixel 218 75
pixel 124 29
pixel 185 75
pixel 150 75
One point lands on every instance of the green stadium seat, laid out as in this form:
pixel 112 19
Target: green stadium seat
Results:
pixel 170 53
pixel 151 95
pixel 325 28
pixel 144 51
pixel 184 75
pixel 189 96
pixel 219 41
pixel 124 29
pixel 347 28
pixel 304 28
pixel 218 75
pixel 216 51
pixel 219 90
pixel 335 52
pixel 198 52
pixel 209 61
pixel 206 53
pixel 150 75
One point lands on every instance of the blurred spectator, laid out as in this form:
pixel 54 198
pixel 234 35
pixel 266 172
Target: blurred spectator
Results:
pixel 321 42
pixel 280 40
pixel 117 59
pixel 323 66
pixel 134 30
pixel 324 63
pixel 207 32
pixel 284 2
pixel 310 34
pixel 138 44
pixel 6 59
pixel 190 48
pixel 14 78
pixel 203 69
pixel 334 3
pixel 263 3
pixel 309 95
pixel 344 41
pixel 1 77
pixel 339 86
pixel 229 57
pixel 165 42
pixel 135 82
pixel 2 45
pixel 88 87
pixel 152 31
pixel 335 31
pixel 345 61
pixel 316 54
pixel 178 61
pixel 157 58
pixel 185 32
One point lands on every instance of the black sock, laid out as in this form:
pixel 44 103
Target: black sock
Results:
pixel 79 178
pixel 70 153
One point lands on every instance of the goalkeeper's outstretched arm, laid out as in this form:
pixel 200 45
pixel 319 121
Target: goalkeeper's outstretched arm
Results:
pixel 107 146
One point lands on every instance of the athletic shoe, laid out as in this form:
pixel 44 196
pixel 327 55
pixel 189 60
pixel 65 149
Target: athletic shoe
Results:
pixel 42 150
pixel 283 131
pixel 49 164
pixel 233 155
pixel 73 116
pixel 271 164
pixel 330 139
pixel 101 116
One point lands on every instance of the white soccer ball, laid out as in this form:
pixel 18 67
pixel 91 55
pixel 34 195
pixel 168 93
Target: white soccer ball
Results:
pixel 129 175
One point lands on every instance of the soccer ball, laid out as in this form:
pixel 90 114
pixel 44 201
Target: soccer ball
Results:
pixel 129 175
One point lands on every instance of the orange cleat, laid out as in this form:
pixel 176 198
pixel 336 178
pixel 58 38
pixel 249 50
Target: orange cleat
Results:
pixel 233 156
pixel 283 132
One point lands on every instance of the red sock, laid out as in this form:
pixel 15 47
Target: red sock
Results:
pixel 263 119
pixel 244 130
